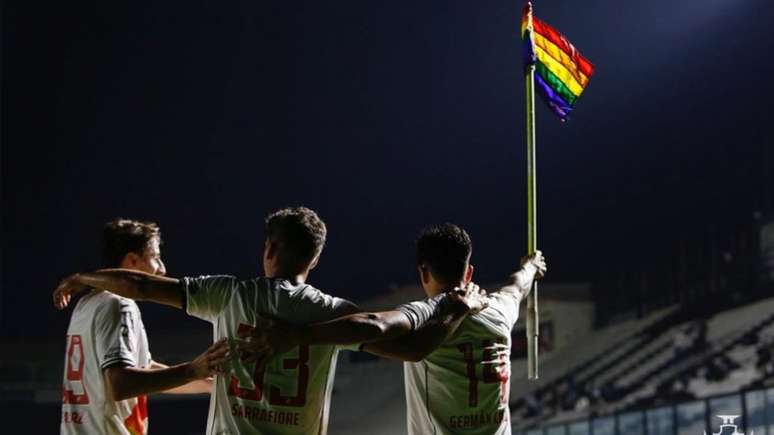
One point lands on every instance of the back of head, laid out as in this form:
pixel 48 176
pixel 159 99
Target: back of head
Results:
pixel 445 251
pixel 122 236
pixel 299 235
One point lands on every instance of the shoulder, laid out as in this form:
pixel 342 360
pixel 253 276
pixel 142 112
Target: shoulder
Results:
pixel 108 310
pixel 311 295
pixel 500 309
pixel 310 291
pixel 210 280
pixel 260 282
pixel 105 303
pixel 505 300
pixel 211 284
pixel 316 293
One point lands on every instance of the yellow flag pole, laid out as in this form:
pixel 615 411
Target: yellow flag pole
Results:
pixel 532 299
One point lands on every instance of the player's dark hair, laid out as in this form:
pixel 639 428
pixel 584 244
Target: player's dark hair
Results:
pixel 122 236
pixel 299 234
pixel 444 250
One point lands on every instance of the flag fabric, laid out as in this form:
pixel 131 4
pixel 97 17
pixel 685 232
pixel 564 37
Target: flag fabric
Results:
pixel 561 72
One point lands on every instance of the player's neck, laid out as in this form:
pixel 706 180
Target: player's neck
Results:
pixel 295 278
pixel 435 288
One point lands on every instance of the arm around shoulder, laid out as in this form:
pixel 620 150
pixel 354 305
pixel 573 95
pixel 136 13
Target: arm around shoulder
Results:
pixel 135 285
pixel 273 337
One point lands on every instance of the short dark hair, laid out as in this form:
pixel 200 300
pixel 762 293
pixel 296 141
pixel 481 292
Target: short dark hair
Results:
pixel 300 236
pixel 122 236
pixel 445 250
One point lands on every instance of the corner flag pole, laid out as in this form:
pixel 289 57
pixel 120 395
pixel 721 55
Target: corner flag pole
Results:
pixel 532 299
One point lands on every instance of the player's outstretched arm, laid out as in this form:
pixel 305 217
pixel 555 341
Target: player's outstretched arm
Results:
pixel 127 382
pixel 532 267
pixel 131 284
pixel 272 337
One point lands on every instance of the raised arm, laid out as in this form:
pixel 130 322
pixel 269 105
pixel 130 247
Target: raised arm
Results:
pixel 532 267
pixel 418 344
pixel 444 311
pixel 131 284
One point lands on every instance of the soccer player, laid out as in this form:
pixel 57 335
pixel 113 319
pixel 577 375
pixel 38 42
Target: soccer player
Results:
pixel 108 365
pixel 463 385
pixel 291 393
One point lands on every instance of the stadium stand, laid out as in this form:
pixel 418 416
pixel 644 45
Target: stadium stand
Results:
pixel 676 357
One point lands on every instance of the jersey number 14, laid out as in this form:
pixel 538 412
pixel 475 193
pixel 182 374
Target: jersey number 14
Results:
pixel 493 369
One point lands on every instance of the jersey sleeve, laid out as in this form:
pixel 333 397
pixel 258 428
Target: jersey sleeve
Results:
pixel 342 307
pixel 512 291
pixel 207 296
pixel 320 307
pixel 511 295
pixel 420 312
pixel 115 332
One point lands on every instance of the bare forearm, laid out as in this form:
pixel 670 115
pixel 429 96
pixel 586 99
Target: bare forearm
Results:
pixel 127 382
pixel 135 285
pixel 416 345
pixel 386 325
pixel 357 328
pixel 521 280
pixel 199 386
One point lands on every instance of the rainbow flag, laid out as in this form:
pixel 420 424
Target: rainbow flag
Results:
pixel 561 72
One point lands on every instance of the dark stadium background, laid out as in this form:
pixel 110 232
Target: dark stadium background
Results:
pixel 383 116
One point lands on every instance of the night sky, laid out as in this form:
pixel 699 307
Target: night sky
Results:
pixel 382 116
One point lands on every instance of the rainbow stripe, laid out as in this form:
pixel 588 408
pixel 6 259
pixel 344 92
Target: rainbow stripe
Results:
pixel 561 72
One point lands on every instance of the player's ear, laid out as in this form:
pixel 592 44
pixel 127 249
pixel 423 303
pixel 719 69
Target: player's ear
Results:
pixel 269 249
pixel 423 274
pixel 130 261
pixel 314 262
pixel 469 274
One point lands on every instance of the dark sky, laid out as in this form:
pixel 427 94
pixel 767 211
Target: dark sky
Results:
pixel 384 116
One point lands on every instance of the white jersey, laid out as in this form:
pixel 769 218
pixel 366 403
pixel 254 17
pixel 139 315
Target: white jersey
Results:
pixel 105 330
pixel 463 386
pixel 292 394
